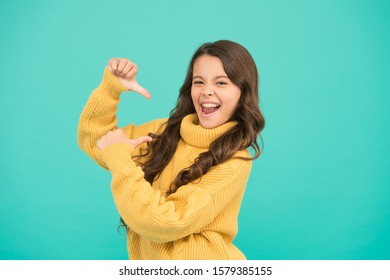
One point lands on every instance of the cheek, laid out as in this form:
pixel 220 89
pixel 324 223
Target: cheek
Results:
pixel 194 96
pixel 233 104
pixel 233 100
pixel 237 97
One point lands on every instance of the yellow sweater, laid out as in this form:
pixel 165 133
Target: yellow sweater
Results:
pixel 199 221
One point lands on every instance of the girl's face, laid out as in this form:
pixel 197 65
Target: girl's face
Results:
pixel 214 95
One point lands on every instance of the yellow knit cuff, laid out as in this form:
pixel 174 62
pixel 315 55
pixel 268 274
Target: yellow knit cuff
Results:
pixel 118 158
pixel 111 84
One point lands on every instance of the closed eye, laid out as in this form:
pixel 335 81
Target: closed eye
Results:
pixel 221 83
pixel 197 82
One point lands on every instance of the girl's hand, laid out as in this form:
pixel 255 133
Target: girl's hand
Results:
pixel 118 136
pixel 125 71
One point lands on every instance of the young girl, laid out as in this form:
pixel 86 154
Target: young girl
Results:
pixel 178 182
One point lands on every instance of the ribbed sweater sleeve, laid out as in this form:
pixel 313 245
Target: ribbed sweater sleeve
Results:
pixel 187 211
pixel 99 117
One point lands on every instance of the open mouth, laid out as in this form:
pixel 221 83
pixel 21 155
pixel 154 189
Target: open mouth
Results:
pixel 209 108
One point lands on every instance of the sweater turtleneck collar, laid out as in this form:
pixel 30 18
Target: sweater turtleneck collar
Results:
pixel 196 135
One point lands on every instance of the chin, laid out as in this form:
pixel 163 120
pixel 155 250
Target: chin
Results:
pixel 209 123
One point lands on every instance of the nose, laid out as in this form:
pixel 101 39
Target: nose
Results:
pixel 209 91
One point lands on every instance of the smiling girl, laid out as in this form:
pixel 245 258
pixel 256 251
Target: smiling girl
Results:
pixel 178 182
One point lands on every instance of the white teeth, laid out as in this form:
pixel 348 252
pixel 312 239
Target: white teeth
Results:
pixel 209 105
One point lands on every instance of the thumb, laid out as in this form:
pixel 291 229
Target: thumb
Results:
pixel 141 90
pixel 140 140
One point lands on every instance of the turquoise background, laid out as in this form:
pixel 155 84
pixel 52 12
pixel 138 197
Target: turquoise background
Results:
pixel 319 191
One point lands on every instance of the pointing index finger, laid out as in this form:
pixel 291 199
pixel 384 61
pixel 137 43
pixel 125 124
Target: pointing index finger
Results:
pixel 141 90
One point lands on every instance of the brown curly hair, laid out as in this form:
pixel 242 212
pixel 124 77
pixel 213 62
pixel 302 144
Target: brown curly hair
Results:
pixel 242 71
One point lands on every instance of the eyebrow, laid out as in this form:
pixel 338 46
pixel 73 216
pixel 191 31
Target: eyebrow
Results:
pixel 200 77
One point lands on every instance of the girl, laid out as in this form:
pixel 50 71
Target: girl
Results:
pixel 178 182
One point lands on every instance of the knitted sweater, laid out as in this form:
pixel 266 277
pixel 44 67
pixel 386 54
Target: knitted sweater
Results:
pixel 199 220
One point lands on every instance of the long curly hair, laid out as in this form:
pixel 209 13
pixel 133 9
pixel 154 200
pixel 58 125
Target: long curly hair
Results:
pixel 242 71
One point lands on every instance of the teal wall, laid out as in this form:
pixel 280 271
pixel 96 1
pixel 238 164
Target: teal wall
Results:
pixel 321 189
